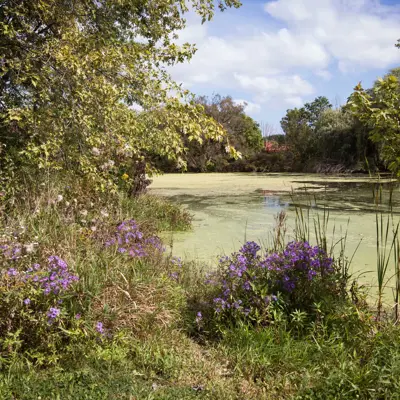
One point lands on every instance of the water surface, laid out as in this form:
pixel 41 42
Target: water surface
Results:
pixel 231 208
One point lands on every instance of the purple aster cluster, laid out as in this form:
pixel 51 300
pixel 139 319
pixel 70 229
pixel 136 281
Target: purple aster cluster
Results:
pixel 99 328
pixel 12 272
pixel 176 265
pixel 130 240
pixel 11 252
pixel 53 278
pixel 249 284
pixel 298 262
pixel 102 331
pixel 53 313
pixel 49 280
pixel 250 249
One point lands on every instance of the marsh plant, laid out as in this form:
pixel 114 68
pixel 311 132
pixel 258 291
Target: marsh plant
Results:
pixel 35 305
pixel 252 287
pixel 45 306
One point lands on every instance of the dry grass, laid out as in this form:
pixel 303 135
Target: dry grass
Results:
pixel 138 306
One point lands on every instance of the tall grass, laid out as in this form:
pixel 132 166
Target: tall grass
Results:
pixel 386 237
pixel 160 352
pixel 387 245
pixel 396 262
pixel 307 221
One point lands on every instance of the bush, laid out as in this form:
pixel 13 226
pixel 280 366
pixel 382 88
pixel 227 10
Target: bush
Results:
pixel 45 307
pixel 35 313
pixel 253 288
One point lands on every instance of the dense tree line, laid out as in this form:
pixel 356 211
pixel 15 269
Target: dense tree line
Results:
pixel 322 138
pixel 316 138
pixel 361 136
pixel 208 154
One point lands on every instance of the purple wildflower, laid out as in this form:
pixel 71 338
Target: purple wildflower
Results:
pixel 100 328
pixel 174 275
pixel 53 313
pixel 131 241
pixel 12 272
pixel 199 317
pixel 250 248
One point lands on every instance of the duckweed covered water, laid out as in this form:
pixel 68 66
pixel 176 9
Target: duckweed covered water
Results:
pixel 231 208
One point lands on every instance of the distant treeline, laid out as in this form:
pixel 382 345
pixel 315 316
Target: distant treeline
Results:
pixel 317 138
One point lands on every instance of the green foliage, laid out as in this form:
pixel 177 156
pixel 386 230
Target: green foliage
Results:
pixel 297 131
pixel 73 72
pixel 278 138
pixel 315 109
pixel 319 136
pixel 392 72
pixel 252 134
pixel 318 366
pixel 166 216
pixel 243 133
pixel 379 111
pixel 299 125
pixel 153 347
pixel 343 139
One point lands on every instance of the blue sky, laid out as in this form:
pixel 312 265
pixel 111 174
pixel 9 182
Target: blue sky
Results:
pixel 279 54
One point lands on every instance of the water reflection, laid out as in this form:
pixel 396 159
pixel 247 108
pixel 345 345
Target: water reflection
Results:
pixel 274 201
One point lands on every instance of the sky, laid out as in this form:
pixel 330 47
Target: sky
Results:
pixel 276 55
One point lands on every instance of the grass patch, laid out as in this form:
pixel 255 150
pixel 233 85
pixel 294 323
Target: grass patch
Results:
pixel 151 342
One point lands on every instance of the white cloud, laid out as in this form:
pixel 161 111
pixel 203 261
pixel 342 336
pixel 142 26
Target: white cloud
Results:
pixel 249 107
pixel 265 53
pixel 294 101
pixel 269 88
pixel 291 10
pixel 326 75
pixel 267 60
pixel 356 33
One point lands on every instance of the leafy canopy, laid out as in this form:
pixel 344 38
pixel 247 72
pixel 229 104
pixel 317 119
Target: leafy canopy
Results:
pixel 243 133
pixel 299 124
pixel 379 110
pixel 84 86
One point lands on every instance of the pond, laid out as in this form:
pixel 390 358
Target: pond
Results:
pixel 230 208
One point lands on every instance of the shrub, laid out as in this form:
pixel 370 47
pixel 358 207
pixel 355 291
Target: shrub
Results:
pixel 129 239
pixel 34 313
pixel 253 288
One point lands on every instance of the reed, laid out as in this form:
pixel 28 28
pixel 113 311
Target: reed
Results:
pixel 387 246
pixel 326 233
pixel 396 261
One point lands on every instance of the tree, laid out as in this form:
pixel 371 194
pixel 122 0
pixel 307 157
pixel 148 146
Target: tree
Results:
pixel 295 124
pixel 299 125
pixel 315 109
pixel 70 73
pixel 380 112
pixel 392 72
pixel 243 133
pixel 339 138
